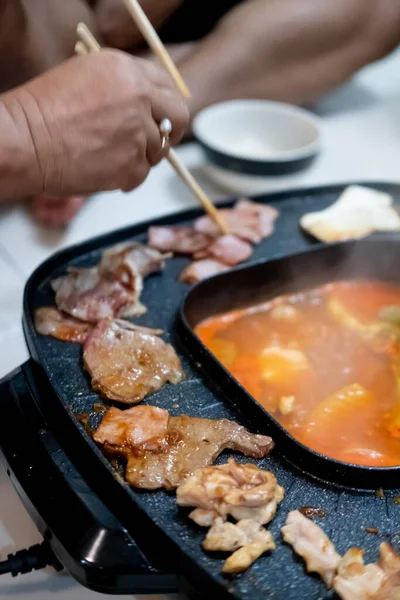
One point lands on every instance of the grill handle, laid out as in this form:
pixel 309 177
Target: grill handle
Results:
pixel 83 533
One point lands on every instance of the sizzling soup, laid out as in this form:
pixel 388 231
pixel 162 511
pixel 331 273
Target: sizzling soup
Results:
pixel 325 363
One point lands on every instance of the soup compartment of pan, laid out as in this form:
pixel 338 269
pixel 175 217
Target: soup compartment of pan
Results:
pixel 371 259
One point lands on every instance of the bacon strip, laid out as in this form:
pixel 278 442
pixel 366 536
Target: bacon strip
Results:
pixel 177 239
pixel 247 220
pixel 200 269
pixel 227 249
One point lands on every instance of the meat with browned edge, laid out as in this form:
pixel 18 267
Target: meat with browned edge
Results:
pixel 188 444
pixel 127 364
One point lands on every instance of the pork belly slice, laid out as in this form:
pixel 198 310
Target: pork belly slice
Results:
pixel 112 288
pixel 313 545
pixel 126 261
pixel 122 430
pixel 231 489
pixel 247 539
pixel 50 321
pixel 227 249
pixel 243 225
pixel 200 269
pixel 85 295
pixel 187 444
pixel 178 239
pixel 267 215
pixel 247 220
pixel 192 443
pixel 127 364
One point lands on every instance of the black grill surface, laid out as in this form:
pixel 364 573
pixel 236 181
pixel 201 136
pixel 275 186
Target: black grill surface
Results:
pixel 279 575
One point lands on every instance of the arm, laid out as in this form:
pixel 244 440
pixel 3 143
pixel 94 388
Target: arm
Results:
pixel 19 170
pixel 289 50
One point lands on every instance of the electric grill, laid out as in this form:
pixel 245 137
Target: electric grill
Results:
pixel 115 539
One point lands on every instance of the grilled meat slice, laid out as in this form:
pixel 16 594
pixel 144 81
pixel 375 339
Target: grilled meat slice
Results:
pixel 50 321
pixel 348 575
pixel 247 220
pixel 267 215
pixel 112 288
pixel 231 489
pixel 191 443
pixel 247 539
pixel 200 269
pixel 227 249
pixel 178 239
pixel 85 295
pixel 126 261
pixel 122 430
pixel 313 545
pixel 356 581
pixel 187 444
pixel 128 364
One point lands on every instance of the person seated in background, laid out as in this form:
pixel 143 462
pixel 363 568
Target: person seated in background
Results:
pixel 288 50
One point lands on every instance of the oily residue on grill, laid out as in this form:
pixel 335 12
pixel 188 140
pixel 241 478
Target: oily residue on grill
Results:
pixel 372 530
pixel 312 511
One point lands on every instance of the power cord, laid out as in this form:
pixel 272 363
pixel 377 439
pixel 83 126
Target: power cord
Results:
pixel 34 558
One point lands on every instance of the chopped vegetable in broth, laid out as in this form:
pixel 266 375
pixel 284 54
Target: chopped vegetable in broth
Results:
pixel 325 363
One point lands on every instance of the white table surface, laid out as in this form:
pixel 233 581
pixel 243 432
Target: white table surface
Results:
pixel 361 139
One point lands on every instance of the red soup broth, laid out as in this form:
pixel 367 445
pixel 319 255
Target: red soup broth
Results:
pixel 325 363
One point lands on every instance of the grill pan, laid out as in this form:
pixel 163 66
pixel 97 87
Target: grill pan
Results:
pixel 118 540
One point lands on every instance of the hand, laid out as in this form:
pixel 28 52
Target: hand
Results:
pixel 93 122
pixel 116 26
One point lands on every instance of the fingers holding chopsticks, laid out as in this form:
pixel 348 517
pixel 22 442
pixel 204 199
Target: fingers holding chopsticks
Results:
pixel 157 107
pixel 166 103
pixel 157 88
pixel 168 106
pixel 99 109
pixel 159 116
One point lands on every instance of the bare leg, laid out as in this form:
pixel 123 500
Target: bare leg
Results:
pixel 117 27
pixel 289 50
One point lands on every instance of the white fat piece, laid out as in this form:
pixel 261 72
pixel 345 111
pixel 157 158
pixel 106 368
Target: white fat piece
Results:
pixel 358 212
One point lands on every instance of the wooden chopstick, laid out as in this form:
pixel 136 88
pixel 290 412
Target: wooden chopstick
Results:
pixel 190 181
pixel 87 37
pixel 90 44
pixel 152 38
pixel 81 48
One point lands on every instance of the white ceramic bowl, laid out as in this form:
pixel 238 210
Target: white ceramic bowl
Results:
pixel 248 142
